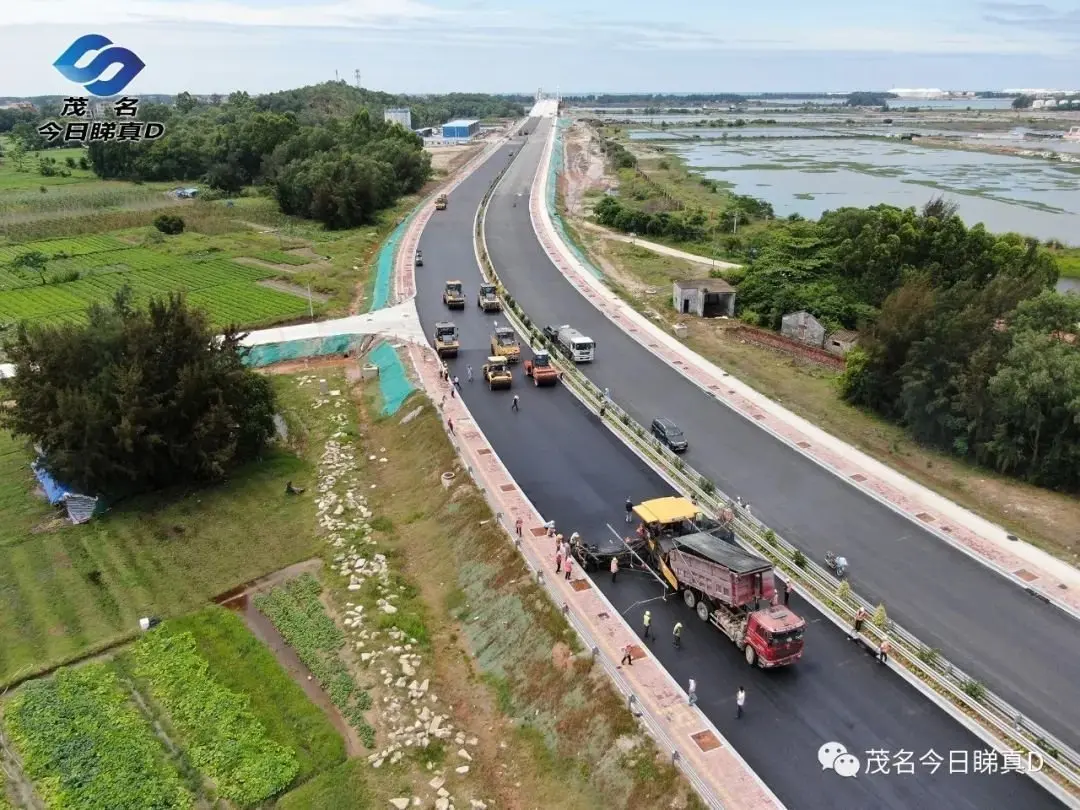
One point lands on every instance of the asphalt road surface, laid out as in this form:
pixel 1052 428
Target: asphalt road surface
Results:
pixel 579 474
pixel 1022 648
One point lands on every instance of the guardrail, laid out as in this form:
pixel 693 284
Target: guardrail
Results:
pixel 984 713
pixel 536 567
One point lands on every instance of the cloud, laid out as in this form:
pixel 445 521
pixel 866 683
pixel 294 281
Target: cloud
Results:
pixel 1034 17
pixel 349 13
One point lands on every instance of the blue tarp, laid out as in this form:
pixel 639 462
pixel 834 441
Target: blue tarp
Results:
pixel 55 492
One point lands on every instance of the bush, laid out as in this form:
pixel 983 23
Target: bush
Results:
pixel 170 224
pixel 973 689
pixel 707 486
pixel 799 559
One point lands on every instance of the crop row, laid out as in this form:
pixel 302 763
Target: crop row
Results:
pixel 281 257
pixel 44 301
pixel 246 304
pixel 295 610
pixel 86 746
pixel 75 246
pixel 216 726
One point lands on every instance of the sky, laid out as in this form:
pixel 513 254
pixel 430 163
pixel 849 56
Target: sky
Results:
pixel 438 46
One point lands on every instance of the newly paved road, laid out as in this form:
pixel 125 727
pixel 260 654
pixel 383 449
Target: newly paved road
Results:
pixel 1024 649
pixel 579 474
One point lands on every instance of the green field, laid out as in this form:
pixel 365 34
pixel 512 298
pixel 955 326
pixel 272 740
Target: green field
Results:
pixel 197 709
pixel 29 178
pixel 85 745
pixel 66 590
pixel 87 270
pixel 245 665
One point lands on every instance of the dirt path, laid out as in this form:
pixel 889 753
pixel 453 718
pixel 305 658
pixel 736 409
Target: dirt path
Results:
pixel 240 601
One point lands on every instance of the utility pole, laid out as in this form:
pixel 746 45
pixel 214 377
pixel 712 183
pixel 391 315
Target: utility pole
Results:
pixel 735 227
pixel 357 74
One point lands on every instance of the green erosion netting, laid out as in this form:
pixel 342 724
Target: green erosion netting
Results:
pixel 554 170
pixel 384 267
pixel 393 382
pixel 269 353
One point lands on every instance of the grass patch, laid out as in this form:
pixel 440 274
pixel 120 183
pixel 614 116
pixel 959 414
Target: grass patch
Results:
pixel 65 590
pixel 86 746
pixel 14 179
pixel 1068 262
pixel 243 664
pixel 280 257
pixel 343 787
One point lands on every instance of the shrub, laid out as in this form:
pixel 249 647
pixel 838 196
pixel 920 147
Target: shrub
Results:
pixel 170 224
pixel 799 559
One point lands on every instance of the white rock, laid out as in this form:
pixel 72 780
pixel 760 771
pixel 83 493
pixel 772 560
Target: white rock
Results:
pixel 400 804
pixel 464 754
pixel 463 769
pixel 377 763
pixel 437 782
pixel 442 803
pixel 388 608
pixel 444 793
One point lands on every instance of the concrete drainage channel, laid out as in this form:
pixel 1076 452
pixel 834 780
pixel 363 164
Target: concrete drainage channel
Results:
pixel 985 714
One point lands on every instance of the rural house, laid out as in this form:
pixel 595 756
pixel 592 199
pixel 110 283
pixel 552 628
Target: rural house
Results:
pixel 803 327
pixel 841 341
pixel 706 298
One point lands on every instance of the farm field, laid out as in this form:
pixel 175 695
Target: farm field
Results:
pixel 66 591
pixel 85 270
pixel 168 724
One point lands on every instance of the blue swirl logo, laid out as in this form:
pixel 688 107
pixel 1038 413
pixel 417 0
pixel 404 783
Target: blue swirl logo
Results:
pixel 130 65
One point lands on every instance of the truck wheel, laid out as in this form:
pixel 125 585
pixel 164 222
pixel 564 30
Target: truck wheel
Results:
pixel 751 655
pixel 703 610
pixel 689 598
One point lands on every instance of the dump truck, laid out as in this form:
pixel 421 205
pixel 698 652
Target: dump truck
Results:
pixel 540 369
pixel 504 343
pixel 488 298
pixel 699 558
pixel 453 295
pixel 497 373
pixel 446 339
pixel 571 342
pixel 440 202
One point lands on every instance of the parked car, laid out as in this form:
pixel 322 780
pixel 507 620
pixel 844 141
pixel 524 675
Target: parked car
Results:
pixel 669 434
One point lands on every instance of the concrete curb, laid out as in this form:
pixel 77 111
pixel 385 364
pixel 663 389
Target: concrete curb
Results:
pixel 867 475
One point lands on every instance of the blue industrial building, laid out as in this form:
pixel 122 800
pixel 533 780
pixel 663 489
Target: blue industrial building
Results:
pixel 460 129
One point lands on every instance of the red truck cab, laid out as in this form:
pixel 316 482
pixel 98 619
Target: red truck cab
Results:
pixel 776 635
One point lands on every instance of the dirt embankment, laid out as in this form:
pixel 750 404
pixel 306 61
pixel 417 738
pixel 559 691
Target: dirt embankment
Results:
pixel 585 170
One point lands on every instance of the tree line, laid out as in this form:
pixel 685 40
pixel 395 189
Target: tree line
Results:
pixel 340 171
pixel 684 226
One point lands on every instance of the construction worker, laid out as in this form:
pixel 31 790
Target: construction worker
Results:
pixel 518 524
pixel 515 407
pixel 558 561
pixel 691 692
pixel 860 617
pixel 468 373
pixel 614 568
pixel 569 567
pixel 676 634
pixel 740 701
pixel 883 651
pixel 629 510
pixel 628 655
pixel 648 623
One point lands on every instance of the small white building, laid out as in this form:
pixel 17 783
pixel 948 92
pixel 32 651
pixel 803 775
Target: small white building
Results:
pixel 705 297
pixel 399 115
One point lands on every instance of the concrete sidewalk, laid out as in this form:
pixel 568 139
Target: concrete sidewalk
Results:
pixel 1026 565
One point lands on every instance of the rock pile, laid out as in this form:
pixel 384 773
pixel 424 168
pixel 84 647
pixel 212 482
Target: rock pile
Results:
pixel 408 709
